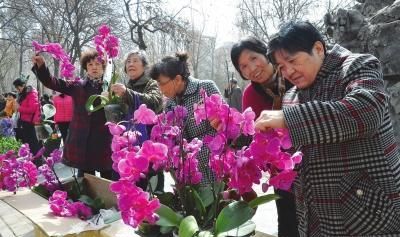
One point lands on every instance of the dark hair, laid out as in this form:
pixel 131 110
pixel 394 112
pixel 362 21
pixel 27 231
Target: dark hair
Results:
pixel 249 43
pixel 46 97
pixel 141 54
pixel 11 94
pixel 88 55
pixel 295 36
pixel 19 82
pixel 171 67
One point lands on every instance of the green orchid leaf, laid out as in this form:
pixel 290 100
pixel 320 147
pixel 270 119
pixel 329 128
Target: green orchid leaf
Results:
pixel 205 234
pixel 99 203
pixel 86 200
pixel 168 217
pixel 232 216
pixel 243 230
pixel 198 202
pixel 166 229
pixel 188 227
pixel 89 103
pixel 166 198
pixel 263 199
pixel 206 195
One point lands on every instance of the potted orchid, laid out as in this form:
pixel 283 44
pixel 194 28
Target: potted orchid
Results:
pixel 195 209
pixel 17 170
pixel 107 46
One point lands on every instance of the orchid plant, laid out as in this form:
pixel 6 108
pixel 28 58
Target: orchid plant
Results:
pixel 192 208
pixel 107 46
pixel 17 170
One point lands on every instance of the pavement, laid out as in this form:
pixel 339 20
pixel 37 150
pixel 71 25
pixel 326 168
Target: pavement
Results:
pixel 14 224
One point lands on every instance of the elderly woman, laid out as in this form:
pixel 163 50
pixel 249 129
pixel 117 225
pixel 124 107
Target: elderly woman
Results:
pixel 140 89
pixel 88 144
pixel 173 77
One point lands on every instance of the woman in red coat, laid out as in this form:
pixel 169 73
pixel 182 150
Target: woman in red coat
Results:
pixel 88 145
pixel 249 56
pixel 64 108
pixel 29 114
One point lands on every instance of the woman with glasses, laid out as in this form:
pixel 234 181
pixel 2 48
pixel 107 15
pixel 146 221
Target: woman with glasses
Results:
pixel 175 82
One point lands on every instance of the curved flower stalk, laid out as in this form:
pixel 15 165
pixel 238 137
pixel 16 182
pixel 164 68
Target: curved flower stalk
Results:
pixel 107 46
pixel 58 53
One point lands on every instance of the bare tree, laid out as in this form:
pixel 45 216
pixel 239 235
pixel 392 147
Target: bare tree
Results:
pixel 260 17
pixel 148 16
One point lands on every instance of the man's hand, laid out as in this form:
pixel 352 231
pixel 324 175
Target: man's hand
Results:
pixel 38 60
pixel 270 119
pixel 119 89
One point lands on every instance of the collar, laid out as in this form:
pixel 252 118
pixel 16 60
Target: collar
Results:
pixel 334 58
pixel 191 86
pixel 139 82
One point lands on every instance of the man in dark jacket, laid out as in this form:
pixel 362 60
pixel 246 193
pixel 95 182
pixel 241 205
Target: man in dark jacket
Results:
pixel 234 95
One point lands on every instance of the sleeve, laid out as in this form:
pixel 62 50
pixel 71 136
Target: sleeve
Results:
pixel 151 97
pixel 359 113
pixel 44 76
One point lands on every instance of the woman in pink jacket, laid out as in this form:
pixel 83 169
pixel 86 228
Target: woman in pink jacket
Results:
pixel 63 116
pixel 29 114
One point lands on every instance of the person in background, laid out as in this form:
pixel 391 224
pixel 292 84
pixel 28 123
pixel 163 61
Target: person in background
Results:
pixel 88 144
pixel 265 91
pixel 337 114
pixel 29 114
pixel 45 100
pixel 175 82
pixel 11 105
pixel 2 101
pixel 233 94
pixel 140 88
pixel 64 110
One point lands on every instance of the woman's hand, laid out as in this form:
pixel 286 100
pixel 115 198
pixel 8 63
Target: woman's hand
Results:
pixel 119 89
pixel 270 119
pixel 38 60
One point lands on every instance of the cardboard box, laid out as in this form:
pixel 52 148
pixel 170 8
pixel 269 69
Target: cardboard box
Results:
pixel 36 208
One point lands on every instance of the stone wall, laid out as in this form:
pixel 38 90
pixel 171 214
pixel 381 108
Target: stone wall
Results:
pixel 373 27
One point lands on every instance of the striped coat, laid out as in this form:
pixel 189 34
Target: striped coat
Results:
pixel 349 180
pixel 190 97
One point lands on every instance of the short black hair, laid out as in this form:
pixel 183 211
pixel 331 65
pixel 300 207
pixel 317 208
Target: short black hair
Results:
pixel 171 67
pixel 11 94
pixel 19 82
pixel 249 43
pixel 293 37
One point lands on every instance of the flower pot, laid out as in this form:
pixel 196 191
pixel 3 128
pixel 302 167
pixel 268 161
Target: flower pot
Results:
pixel 42 132
pixel 113 112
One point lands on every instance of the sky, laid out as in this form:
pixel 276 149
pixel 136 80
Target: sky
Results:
pixel 218 17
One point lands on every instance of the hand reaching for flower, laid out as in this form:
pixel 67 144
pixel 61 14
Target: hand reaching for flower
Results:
pixel 270 119
pixel 119 89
